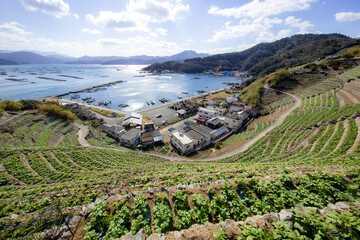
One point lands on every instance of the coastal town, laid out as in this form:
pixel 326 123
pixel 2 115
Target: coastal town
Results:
pixel 187 125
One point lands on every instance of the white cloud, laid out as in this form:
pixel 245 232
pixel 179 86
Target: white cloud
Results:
pixel 304 26
pixel 138 14
pixel 56 8
pixel 347 16
pixel 219 50
pixel 94 31
pixel 244 28
pixel 161 31
pixel 14 27
pixel 268 36
pixel 12 37
pixel 262 9
pixel 76 16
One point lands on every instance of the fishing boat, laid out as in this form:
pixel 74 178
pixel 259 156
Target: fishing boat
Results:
pixel 104 103
pixel 184 92
pixel 152 103
pixel 75 97
pixel 147 103
pixel 86 98
pixel 179 97
pixel 201 91
pixel 163 100
pixel 123 105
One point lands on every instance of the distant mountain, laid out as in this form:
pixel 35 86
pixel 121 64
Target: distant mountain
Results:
pixel 24 57
pixel 7 62
pixel 264 57
pixel 143 59
pixel 35 57
pixel 92 60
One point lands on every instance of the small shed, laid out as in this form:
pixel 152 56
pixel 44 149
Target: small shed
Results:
pixel 182 113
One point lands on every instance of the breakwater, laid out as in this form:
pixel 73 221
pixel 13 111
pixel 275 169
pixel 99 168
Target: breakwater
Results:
pixel 93 88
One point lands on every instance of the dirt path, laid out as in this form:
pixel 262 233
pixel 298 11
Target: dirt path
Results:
pixel 83 131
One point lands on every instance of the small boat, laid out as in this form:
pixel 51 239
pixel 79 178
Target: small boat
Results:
pixel 123 105
pixel 152 103
pixel 163 100
pixel 179 97
pixel 104 102
pixel 86 98
pixel 147 103
pixel 195 78
pixel 201 91
pixel 184 92
pixel 75 97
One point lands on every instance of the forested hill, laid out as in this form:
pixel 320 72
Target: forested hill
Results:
pixel 265 58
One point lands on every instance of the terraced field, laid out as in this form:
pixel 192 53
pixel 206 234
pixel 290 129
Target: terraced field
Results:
pixel 53 188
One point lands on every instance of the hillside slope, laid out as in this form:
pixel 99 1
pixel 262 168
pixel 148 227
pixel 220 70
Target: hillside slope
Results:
pixel 265 57
pixel 311 159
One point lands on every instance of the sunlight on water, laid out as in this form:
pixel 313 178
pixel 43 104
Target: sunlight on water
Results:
pixel 136 90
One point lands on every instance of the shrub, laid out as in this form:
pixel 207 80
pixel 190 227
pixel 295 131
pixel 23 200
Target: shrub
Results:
pixel 280 78
pixel 1 112
pixel 219 145
pixel 29 104
pixel 57 110
pixel 353 52
pixel 10 105
pixel 251 94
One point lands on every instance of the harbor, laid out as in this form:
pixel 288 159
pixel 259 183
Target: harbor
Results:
pixel 94 84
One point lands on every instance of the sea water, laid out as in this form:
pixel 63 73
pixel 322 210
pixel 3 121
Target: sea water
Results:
pixel 137 89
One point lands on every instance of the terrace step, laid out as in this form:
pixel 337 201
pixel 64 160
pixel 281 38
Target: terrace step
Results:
pixel 343 137
pixel 345 98
pixel 357 140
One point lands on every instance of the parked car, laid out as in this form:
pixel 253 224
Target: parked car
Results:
pixel 158 115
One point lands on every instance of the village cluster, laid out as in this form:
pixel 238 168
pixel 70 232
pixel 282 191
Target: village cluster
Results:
pixel 201 124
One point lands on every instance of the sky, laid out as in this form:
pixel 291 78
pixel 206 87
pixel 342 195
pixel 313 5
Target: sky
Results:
pixel 166 27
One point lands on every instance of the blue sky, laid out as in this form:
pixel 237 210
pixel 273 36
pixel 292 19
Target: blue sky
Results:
pixel 165 27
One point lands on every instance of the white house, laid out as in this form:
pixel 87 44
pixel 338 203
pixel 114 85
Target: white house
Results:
pixel 234 121
pixel 208 113
pixel 181 142
pixel 132 120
